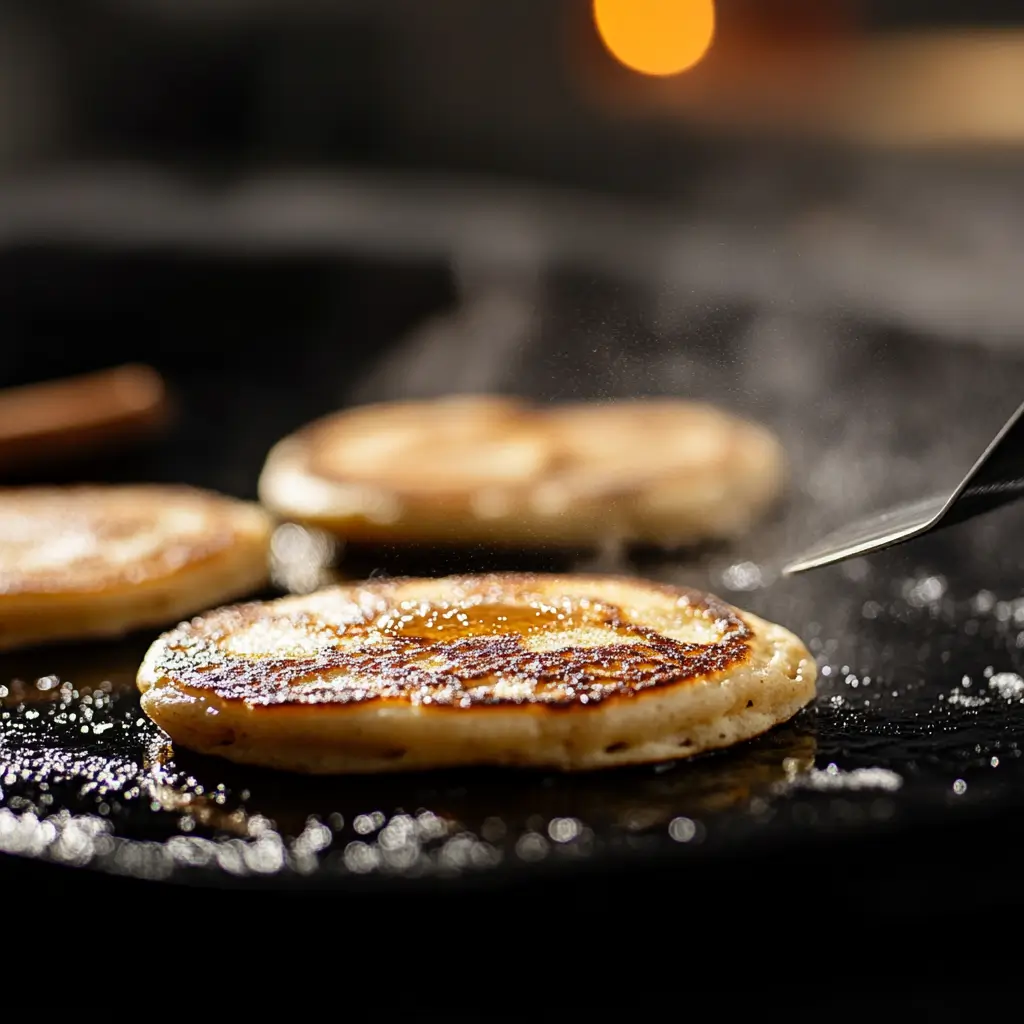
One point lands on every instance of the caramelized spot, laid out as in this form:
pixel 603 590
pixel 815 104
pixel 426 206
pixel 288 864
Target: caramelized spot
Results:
pixel 437 623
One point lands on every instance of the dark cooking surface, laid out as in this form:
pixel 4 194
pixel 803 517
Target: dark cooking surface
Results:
pixel 918 727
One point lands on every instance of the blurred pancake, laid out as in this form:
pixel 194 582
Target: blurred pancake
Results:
pixel 564 672
pixel 491 470
pixel 100 561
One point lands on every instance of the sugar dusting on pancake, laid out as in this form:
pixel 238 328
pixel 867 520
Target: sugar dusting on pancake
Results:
pixel 498 640
pixel 85 538
pixel 95 560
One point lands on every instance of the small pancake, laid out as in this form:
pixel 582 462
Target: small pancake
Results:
pixel 100 561
pixel 491 470
pixel 563 672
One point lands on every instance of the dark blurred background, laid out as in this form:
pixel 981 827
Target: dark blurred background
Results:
pixel 339 200
pixel 526 89
pixel 226 86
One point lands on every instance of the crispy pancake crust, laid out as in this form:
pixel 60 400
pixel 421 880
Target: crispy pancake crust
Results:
pixel 569 672
pixel 92 561
pixel 497 471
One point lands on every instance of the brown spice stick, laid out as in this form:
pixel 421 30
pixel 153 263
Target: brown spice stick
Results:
pixel 77 415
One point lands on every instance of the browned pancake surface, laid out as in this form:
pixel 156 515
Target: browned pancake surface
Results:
pixel 423 448
pixel 95 538
pixel 494 640
pixel 488 441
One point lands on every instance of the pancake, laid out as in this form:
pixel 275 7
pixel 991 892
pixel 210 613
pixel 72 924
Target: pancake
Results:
pixel 496 471
pixel 560 672
pixel 100 561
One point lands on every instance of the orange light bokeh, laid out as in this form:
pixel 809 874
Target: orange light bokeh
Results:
pixel 656 37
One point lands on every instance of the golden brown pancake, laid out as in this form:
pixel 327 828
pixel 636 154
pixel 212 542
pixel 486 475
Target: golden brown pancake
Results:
pixel 92 561
pixel 493 470
pixel 564 672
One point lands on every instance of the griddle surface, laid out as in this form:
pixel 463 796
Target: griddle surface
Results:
pixel 915 737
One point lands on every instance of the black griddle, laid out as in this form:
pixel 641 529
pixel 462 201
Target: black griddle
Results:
pixel 896 797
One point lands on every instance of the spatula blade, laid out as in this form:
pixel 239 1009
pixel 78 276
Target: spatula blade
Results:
pixel 873 533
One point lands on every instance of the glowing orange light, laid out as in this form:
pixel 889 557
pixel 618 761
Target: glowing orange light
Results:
pixel 656 37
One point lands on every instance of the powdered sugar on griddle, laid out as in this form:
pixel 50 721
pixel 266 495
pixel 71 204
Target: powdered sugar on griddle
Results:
pixel 1007 685
pixel 833 778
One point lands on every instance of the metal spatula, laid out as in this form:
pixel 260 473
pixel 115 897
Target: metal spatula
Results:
pixel 996 479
